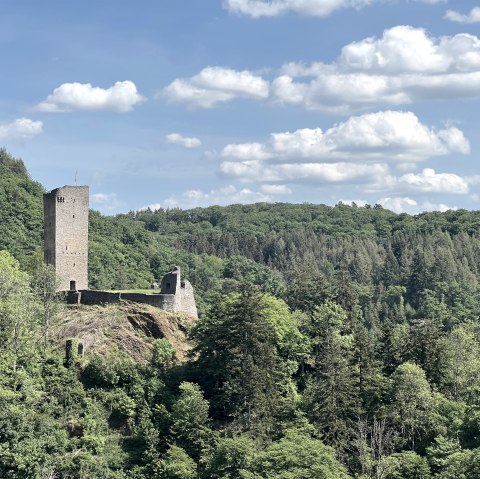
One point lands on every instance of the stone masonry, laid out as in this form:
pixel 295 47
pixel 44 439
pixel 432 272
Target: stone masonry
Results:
pixel 176 295
pixel 66 235
pixel 66 248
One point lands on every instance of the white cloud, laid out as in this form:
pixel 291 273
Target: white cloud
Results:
pixel 186 142
pixel 153 207
pixel 357 152
pixel 383 70
pixel 431 182
pixel 214 85
pixel 367 73
pixel 360 203
pixel 318 8
pixel 262 8
pixel 119 98
pixel 221 196
pixel 107 201
pixel 246 151
pixel 276 189
pixel 408 205
pixel 472 17
pixel 385 135
pixel 316 173
pixel 20 129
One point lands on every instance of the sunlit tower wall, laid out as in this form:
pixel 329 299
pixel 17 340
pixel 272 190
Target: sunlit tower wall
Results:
pixel 66 235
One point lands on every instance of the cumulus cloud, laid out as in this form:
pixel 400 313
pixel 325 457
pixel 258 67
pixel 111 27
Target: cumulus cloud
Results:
pixel 20 129
pixel 262 8
pixel 367 73
pixel 356 152
pixel 246 151
pixel 152 207
pixel 408 205
pixel 383 70
pixel 313 173
pixel 385 135
pixel 431 182
pixel 222 196
pixel 186 142
pixel 106 201
pixel 214 85
pixel 472 17
pixel 276 189
pixel 317 8
pixel 120 98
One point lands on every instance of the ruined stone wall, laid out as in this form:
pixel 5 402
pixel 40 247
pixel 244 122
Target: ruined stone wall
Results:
pixel 188 299
pixel 91 297
pixel 162 301
pixel 66 235
pixel 171 285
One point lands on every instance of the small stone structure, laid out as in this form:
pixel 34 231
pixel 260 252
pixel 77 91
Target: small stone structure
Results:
pixel 73 351
pixel 66 235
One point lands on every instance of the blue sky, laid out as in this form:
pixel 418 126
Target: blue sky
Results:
pixel 190 103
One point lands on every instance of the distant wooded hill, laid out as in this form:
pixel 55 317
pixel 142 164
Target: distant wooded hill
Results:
pixel 299 252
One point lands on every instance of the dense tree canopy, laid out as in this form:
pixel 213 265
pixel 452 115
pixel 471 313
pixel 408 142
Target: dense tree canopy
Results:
pixel 333 342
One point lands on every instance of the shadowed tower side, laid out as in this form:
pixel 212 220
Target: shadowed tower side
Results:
pixel 66 235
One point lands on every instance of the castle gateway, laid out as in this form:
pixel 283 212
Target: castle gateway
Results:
pixel 66 235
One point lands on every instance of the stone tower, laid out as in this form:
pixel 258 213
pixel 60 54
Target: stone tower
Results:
pixel 66 235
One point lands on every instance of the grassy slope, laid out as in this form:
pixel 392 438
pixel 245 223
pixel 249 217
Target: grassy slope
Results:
pixel 129 326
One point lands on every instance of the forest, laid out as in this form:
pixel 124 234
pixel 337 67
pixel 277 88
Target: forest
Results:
pixel 333 343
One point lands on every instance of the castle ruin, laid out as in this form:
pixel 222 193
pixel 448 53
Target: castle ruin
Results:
pixel 66 235
pixel 66 248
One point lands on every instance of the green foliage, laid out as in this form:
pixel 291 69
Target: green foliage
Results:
pixel 248 349
pixel 190 421
pixel 413 404
pixel 21 212
pixel 333 342
pixel 177 465
pixel 462 465
pixel 406 465
pixel 331 397
pixel 232 458
pixel 298 456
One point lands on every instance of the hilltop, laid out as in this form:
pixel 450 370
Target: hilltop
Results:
pixel 128 326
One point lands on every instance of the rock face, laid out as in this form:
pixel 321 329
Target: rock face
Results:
pixel 66 235
pixel 128 326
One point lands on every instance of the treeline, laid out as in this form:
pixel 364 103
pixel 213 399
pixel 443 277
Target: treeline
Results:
pixel 268 393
